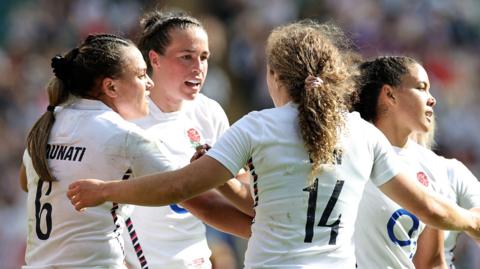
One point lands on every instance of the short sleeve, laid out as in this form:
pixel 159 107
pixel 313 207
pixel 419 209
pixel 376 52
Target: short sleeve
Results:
pixel 385 161
pixel 235 147
pixel 464 183
pixel 147 155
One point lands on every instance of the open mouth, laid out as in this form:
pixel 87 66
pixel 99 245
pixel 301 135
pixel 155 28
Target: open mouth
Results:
pixel 429 114
pixel 193 83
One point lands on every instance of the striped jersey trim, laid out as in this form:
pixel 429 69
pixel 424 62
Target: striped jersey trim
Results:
pixel 133 234
pixel 251 167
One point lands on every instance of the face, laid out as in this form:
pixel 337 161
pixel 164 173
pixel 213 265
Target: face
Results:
pixel 415 104
pixel 132 86
pixel 182 69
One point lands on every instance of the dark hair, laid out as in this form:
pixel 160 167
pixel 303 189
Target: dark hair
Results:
pixel 156 26
pixel 305 48
pixel 385 70
pixel 78 73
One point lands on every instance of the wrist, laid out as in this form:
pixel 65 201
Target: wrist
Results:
pixel 474 229
pixel 105 193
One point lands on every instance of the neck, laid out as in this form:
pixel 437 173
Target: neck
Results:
pixel 396 135
pixel 281 97
pixel 163 102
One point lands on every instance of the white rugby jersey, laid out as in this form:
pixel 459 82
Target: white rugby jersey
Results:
pixel 169 236
pixel 88 140
pixel 465 189
pixel 300 226
pixel 386 235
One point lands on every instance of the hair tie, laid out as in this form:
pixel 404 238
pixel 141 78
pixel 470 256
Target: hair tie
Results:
pixel 60 67
pixel 312 82
pixel 50 108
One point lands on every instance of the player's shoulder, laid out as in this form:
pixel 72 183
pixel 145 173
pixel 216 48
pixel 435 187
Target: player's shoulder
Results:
pixel 357 126
pixel 424 152
pixel 115 122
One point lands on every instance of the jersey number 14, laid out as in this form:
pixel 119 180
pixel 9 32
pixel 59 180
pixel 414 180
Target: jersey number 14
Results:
pixel 312 206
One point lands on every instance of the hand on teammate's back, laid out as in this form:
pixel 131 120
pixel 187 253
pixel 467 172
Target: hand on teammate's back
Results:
pixel 86 193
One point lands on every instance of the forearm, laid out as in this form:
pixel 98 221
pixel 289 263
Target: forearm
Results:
pixel 216 211
pixel 239 194
pixel 430 250
pixel 430 207
pixel 152 190
pixel 446 215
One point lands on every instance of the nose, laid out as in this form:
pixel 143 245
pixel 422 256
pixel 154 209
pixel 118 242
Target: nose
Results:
pixel 197 65
pixel 431 101
pixel 150 82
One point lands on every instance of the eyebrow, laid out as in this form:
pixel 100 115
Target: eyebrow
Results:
pixel 140 70
pixel 192 51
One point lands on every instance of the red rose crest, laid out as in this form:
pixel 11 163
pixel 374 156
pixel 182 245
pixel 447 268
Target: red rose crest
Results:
pixel 193 135
pixel 422 178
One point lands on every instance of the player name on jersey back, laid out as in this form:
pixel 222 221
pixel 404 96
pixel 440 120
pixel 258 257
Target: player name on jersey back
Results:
pixel 65 153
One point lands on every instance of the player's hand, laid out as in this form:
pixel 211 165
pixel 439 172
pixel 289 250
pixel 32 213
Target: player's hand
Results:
pixel 200 151
pixel 475 233
pixel 86 193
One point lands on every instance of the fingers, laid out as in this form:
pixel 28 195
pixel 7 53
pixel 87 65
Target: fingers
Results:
pixel 72 190
pixel 74 193
pixel 200 151
pixel 74 196
pixel 204 147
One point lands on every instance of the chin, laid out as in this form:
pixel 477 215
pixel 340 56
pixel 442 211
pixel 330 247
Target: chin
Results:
pixel 191 96
pixel 425 128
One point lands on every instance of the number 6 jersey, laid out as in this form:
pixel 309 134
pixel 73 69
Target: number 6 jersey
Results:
pixel 296 225
pixel 88 140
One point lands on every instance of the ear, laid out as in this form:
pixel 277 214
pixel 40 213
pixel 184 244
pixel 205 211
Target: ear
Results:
pixel 108 88
pixel 154 58
pixel 276 78
pixel 387 94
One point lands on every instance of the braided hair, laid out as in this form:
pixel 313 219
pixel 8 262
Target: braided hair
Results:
pixel 79 72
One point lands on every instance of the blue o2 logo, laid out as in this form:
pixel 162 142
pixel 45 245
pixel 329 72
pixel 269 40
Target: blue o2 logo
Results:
pixel 393 221
pixel 178 209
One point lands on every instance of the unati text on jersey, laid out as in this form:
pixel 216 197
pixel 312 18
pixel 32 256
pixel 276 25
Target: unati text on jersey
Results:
pixel 65 153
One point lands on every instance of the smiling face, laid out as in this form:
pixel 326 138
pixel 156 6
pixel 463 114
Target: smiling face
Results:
pixel 181 71
pixel 414 103
pixel 132 86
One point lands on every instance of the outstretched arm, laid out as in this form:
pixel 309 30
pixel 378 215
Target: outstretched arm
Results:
pixel 431 208
pixel 152 190
pixel 213 209
pixel 236 189
pixel 238 192
pixel 430 250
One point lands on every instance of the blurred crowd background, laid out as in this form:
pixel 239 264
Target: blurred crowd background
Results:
pixel 443 35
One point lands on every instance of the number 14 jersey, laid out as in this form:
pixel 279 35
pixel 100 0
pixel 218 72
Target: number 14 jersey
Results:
pixel 300 226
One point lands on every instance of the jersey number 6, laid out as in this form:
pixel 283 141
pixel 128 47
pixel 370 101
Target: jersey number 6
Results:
pixel 312 206
pixel 39 209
